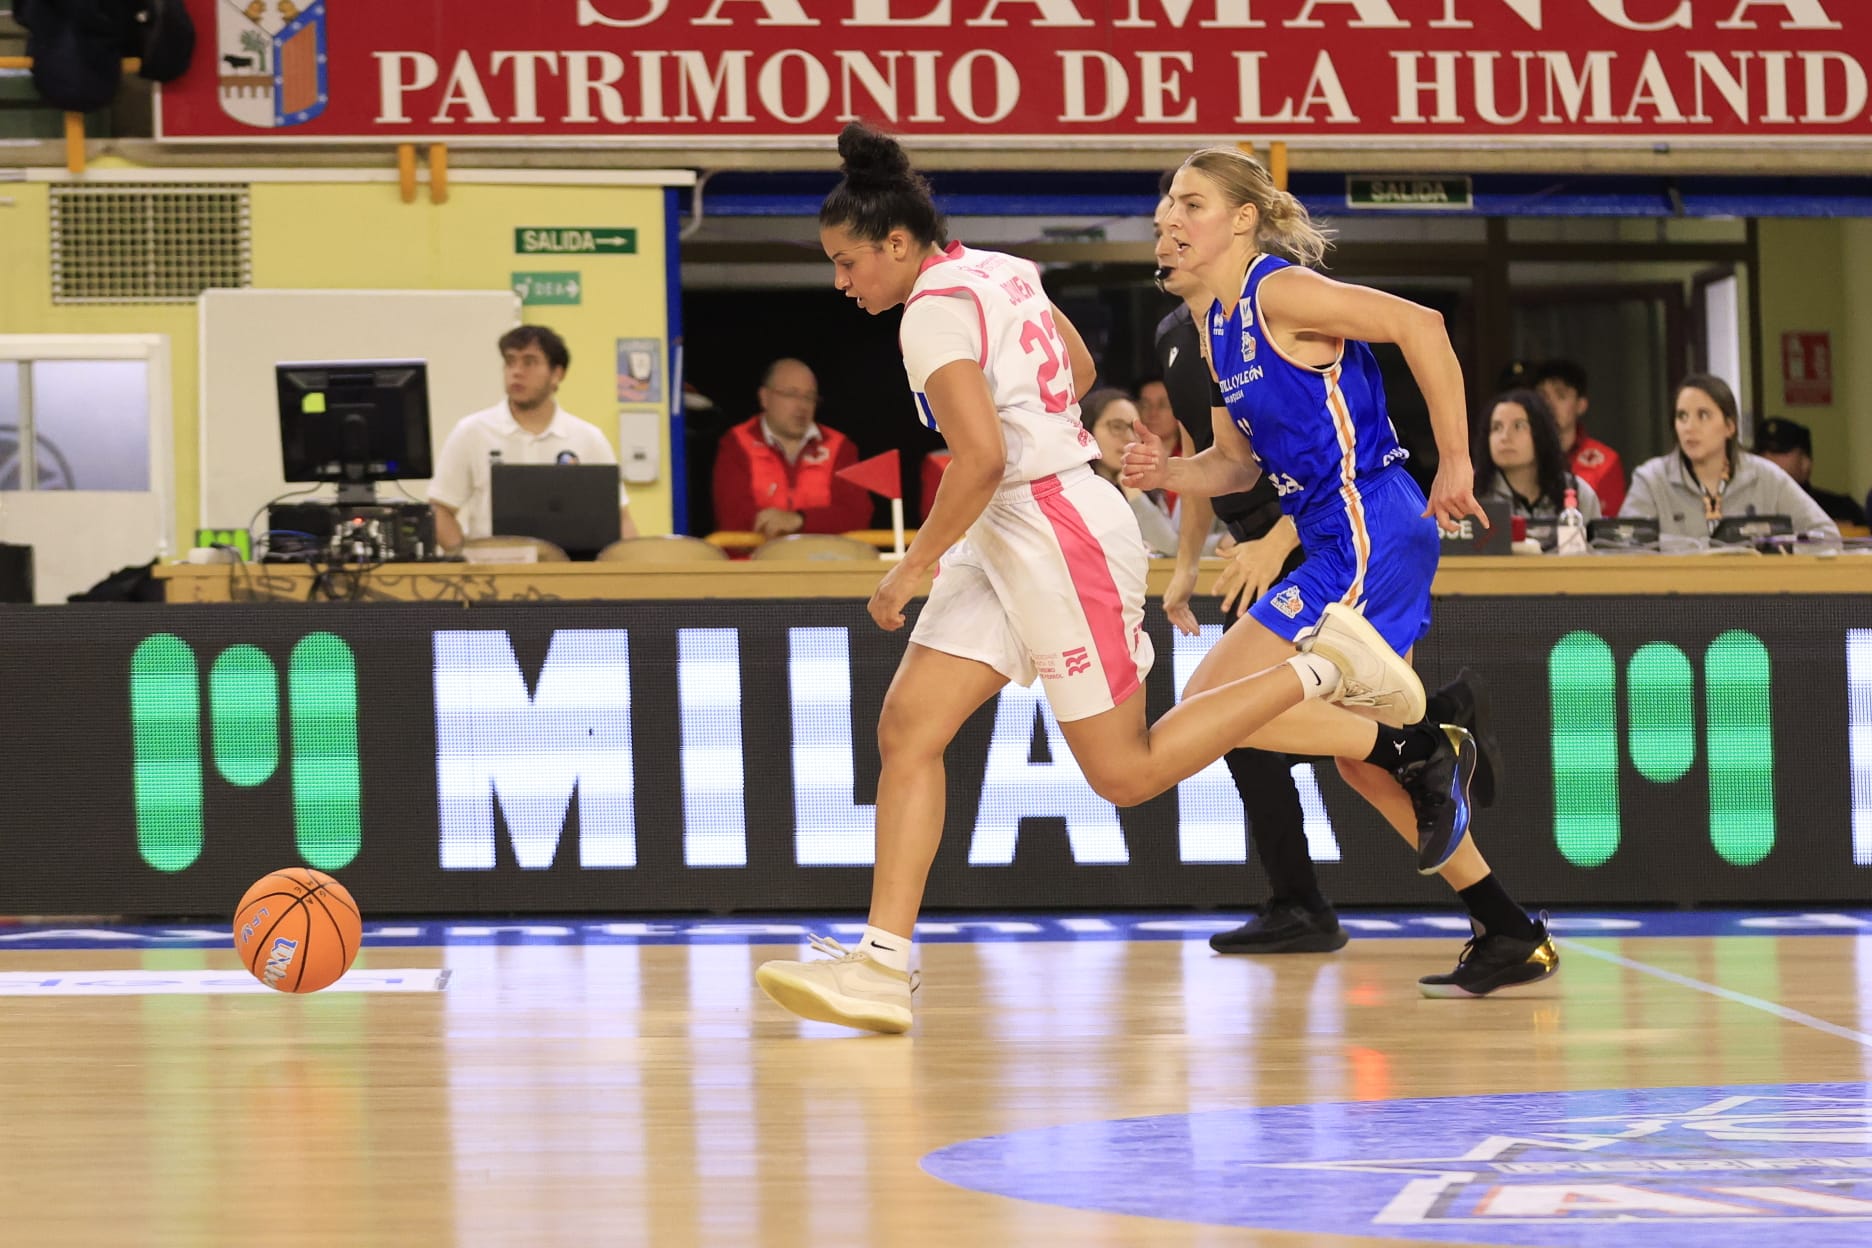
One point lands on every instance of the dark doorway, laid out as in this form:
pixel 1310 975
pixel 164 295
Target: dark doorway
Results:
pixel 731 336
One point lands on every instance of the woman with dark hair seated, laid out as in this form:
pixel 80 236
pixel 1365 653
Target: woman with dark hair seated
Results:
pixel 1709 476
pixel 1518 460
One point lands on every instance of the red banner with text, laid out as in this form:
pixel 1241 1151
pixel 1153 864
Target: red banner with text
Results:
pixel 1000 73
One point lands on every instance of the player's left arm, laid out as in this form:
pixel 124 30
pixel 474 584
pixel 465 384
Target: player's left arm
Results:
pixel 1078 355
pixel 1302 302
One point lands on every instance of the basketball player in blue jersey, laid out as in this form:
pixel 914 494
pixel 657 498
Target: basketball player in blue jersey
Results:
pixel 1299 397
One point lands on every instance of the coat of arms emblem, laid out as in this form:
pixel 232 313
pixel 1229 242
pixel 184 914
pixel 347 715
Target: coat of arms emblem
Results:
pixel 271 61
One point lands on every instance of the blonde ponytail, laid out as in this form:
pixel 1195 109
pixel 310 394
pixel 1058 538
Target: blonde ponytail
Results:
pixel 1287 230
pixel 1284 228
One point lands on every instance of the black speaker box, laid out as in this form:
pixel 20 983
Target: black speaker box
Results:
pixel 16 573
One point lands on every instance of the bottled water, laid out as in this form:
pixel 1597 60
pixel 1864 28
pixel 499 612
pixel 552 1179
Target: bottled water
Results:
pixel 1572 533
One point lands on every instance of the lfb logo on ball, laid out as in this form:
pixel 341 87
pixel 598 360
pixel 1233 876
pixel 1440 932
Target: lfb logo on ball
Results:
pixel 252 926
pixel 271 61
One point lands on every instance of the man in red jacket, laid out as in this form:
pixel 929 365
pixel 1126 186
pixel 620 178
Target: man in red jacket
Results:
pixel 1563 384
pixel 774 473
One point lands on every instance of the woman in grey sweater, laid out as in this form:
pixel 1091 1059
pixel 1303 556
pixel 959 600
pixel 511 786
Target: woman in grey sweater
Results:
pixel 1709 476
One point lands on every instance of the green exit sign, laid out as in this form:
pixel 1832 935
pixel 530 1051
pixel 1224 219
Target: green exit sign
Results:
pixel 616 241
pixel 537 289
pixel 1410 194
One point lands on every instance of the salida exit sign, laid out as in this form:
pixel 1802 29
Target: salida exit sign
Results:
pixel 1410 194
pixel 576 241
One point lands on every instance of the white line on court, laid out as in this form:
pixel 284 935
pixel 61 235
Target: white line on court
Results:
pixel 1727 994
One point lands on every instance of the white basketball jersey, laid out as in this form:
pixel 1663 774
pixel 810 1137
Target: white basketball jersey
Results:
pixel 1018 345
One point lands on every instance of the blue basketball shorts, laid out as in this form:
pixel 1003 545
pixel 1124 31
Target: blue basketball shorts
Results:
pixel 1377 552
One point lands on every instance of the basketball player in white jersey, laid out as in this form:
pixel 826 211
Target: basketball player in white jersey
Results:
pixel 1041 573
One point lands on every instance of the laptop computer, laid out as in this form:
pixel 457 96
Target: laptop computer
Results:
pixel 573 506
pixel 1623 533
pixel 1471 538
pixel 1747 530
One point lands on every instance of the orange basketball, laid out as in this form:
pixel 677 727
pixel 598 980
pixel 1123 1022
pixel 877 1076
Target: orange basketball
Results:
pixel 298 930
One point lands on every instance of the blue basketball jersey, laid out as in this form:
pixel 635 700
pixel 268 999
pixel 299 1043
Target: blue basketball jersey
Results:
pixel 1318 432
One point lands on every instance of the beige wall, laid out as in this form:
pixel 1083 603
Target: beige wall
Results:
pixel 1809 284
pixel 1852 361
pixel 26 307
pixel 361 236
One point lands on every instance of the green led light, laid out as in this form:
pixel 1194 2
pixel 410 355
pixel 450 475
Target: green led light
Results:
pixel 1741 748
pixel 165 719
pixel 1583 680
pixel 1660 692
pixel 327 787
pixel 243 705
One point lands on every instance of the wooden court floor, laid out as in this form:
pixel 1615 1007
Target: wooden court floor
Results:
pixel 620 1094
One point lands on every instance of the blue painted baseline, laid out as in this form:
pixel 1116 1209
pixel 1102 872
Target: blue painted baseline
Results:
pixel 939 929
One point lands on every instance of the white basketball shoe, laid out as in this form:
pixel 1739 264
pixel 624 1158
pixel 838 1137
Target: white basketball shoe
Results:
pixel 848 988
pixel 1371 673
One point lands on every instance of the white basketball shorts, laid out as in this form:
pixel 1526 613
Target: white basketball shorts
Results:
pixel 1049 582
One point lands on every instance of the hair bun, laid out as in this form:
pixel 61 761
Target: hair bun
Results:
pixel 872 159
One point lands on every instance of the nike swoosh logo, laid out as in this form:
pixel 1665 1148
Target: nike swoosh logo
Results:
pixel 1316 678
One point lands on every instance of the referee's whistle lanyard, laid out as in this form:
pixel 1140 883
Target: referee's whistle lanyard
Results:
pixel 1712 503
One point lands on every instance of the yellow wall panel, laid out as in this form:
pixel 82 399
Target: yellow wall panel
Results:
pixel 1804 288
pixel 1852 362
pixel 363 237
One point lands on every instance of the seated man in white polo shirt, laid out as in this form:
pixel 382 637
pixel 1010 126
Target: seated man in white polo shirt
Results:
pixel 528 428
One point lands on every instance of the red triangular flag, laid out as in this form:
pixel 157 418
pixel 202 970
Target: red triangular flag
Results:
pixel 881 474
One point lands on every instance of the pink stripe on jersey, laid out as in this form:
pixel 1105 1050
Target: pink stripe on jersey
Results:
pixel 952 252
pixel 1092 580
pixel 981 313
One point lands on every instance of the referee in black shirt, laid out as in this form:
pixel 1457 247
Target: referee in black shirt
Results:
pixel 1297 918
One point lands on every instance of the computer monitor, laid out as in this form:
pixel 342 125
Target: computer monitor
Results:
pixel 573 506
pixel 354 422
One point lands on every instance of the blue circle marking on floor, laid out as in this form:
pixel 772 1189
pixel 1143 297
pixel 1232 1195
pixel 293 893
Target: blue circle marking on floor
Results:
pixel 1721 1166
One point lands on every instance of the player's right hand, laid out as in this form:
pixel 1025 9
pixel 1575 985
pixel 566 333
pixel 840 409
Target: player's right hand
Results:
pixel 1146 464
pixel 1176 599
pixel 887 601
pixel 1254 567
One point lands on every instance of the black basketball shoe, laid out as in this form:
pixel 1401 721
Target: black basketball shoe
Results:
pixel 1491 964
pixel 1439 791
pixel 1465 703
pixel 1284 927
